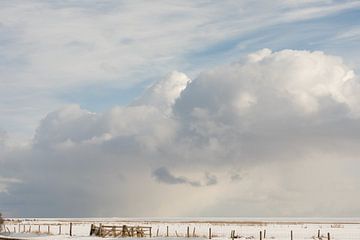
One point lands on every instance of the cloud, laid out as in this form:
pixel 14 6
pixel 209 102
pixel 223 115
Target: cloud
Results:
pixel 163 175
pixel 210 179
pixel 260 137
pixel 124 45
pixel 164 93
pixel 3 137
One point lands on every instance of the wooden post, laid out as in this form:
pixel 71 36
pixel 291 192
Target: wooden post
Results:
pixel 150 231
pixel 291 235
pixel 167 231
pixel 194 232
pixel 232 234
pixel 319 233
pixel 91 229
pixel 59 229
pixel 157 232
pixel 188 232
pixel 260 235
pixel 113 229
pixel 14 229
pixel 328 235
pixel 39 230
pixel 100 230
pixel 264 233
pixel 209 233
pixel 24 228
pixel 71 229
pixel 49 229
pixel 30 229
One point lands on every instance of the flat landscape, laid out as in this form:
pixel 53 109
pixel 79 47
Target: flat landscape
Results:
pixel 178 228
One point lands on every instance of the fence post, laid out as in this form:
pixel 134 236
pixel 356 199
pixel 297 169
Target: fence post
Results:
pixel 48 229
pixel 188 232
pixel 59 229
pixel 113 229
pixel 291 235
pixel 167 231
pixel 260 235
pixel 194 232
pixel 71 229
pixel 150 231
pixel 209 233
pixel 319 233
pixel 328 235
pixel 39 230
pixel 264 233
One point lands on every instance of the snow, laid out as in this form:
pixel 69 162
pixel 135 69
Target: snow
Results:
pixel 220 227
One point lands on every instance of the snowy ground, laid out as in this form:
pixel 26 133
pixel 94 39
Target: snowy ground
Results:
pixel 221 228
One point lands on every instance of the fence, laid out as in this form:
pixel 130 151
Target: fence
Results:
pixel 120 231
pixel 184 229
pixel 40 228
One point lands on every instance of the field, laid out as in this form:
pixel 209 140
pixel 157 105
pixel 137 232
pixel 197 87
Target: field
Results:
pixel 178 228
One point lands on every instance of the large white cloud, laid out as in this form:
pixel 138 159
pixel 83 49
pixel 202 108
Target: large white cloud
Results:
pixel 276 135
pixel 120 44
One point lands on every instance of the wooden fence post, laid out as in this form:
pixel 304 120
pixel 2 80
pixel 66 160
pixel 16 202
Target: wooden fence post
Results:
pixel 209 233
pixel 291 235
pixel 232 234
pixel 167 231
pixel 188 232
pixel 157 232
pixel 319 233
pixel 100 230
pixel 59 229
pixel 264 233
pixel 150 231
pixel 39 230
pixel 70 229
pixel 328 236
pixel 91 229
pixel 113 229
pixel 260 235
pixel 48 229
pixel 194 232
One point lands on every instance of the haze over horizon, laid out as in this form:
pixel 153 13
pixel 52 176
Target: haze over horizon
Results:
pixel 180 108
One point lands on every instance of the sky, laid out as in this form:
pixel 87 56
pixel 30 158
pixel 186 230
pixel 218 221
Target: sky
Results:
pixel 179 108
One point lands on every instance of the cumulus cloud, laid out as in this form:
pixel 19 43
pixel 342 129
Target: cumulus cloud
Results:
pixel 249 138
pixel 102 45
pixel 164 93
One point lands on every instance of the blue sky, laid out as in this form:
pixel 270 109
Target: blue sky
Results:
pixel 39 57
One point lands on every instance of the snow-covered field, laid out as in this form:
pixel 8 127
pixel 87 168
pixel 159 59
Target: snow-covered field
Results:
pixel 198 227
